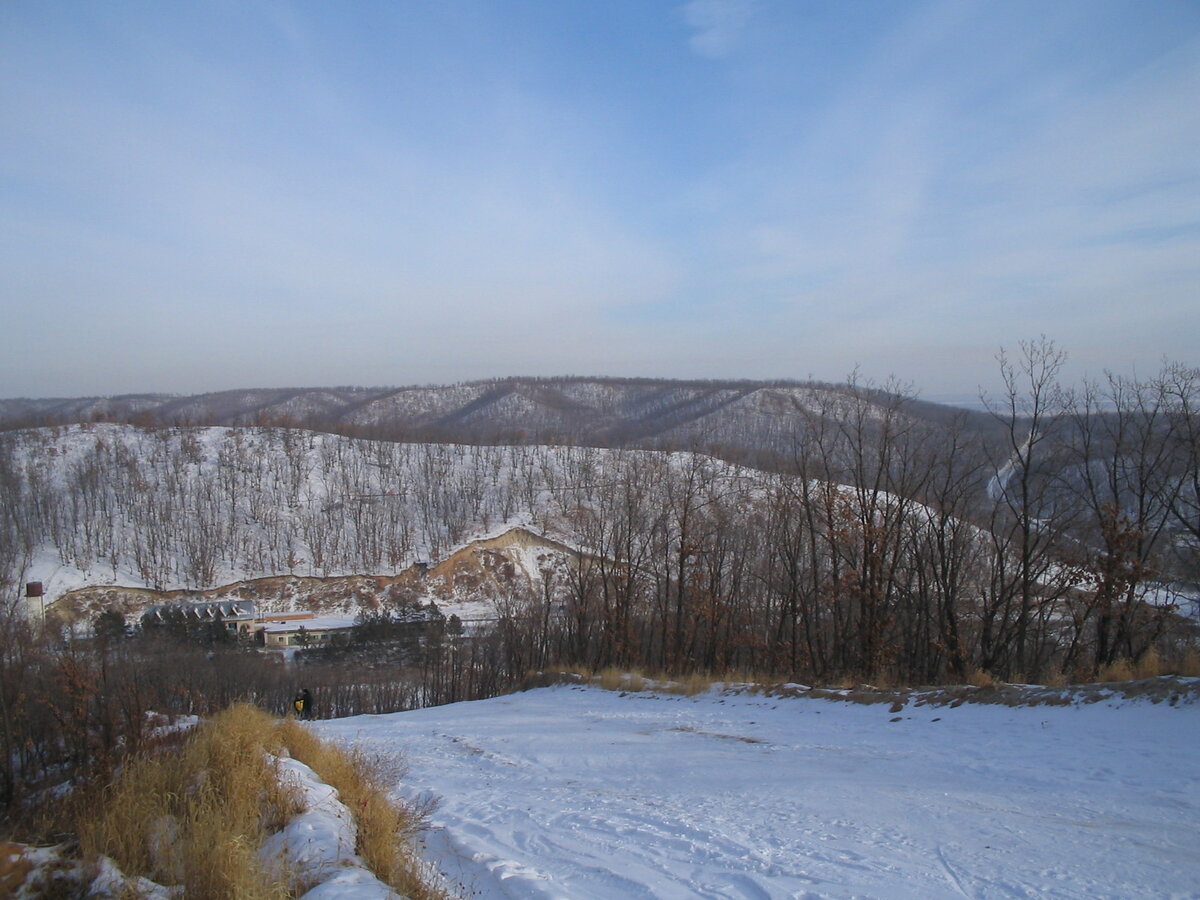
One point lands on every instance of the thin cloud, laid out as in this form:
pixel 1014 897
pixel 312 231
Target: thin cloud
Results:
pixel 716 25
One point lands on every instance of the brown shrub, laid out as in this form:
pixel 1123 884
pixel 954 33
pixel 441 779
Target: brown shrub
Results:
pixel 1118 670
pixel 981 678
pixel 195 818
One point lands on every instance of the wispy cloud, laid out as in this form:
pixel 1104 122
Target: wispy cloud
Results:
pixel 716 25
pixel 905 216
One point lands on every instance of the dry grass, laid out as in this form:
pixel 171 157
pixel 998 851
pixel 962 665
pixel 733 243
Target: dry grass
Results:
pixel 195 818
pixel 385 826
pixel 1119 670
pixel 981 678
pixel 1058 680
pixel 611 679
pixel 14 868
pixel 1149 665
pixel 1189 666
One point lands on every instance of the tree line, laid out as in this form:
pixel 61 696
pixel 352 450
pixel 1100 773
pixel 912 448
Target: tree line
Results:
pixel 889 549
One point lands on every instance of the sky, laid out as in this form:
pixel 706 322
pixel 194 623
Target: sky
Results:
pixel 204 196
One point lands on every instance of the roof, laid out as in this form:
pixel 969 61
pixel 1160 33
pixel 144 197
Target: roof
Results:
pixel 207 612
pixel 319 623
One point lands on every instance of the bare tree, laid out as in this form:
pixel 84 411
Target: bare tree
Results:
pixel 1029 513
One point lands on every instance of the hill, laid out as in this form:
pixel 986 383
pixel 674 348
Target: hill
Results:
pixel 887 551
pixel 746 418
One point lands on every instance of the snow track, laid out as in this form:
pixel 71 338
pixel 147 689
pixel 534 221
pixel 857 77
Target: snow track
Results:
pixel 583 793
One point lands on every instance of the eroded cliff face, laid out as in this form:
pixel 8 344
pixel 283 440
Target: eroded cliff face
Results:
pixel 468 581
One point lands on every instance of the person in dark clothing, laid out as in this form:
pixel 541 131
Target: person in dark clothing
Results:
pixel 304 704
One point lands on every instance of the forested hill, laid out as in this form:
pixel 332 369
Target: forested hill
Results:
pixel 746 417
pixel 892 548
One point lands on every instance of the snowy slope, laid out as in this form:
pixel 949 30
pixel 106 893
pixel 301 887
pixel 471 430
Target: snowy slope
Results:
pixel 196 508
pixel 581 793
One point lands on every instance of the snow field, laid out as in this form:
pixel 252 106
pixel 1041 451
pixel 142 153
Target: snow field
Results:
pixel 573 792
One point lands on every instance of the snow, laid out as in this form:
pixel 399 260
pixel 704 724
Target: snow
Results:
pixel 316 623
pixel 288 482
pixel 112 882
pixel 1183 598
pixel 318 844
pixel 579 792
pixel 164 726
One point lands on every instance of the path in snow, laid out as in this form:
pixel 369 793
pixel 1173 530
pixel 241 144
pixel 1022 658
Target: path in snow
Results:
pixel 583 793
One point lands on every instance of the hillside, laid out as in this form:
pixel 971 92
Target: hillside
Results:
pixel 887 553
pixel 468 583
pixel 114 516
pixel 743 417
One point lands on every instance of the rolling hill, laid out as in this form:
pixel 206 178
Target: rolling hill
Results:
pixel 742 418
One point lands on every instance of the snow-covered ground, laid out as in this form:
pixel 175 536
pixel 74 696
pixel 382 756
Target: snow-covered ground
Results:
pixel 318 844
pixel 583 793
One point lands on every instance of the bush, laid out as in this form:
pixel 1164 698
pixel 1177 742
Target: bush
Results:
pixel 195 818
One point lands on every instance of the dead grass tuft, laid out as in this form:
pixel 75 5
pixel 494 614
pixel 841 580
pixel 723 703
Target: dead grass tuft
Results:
pixel 611 679
pixel 1148 665
pixel 1119 670
pixel 696 683
pixel 981 678
pixel 196 818
pixel 614 679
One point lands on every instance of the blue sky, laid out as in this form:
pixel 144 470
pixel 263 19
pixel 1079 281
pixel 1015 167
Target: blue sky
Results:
pixel 200 196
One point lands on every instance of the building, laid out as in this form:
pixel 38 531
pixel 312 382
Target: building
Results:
pixel 238 616
pixel 302 629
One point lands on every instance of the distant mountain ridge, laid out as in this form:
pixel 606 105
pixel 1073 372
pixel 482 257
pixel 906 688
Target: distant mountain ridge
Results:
pixel 758 415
